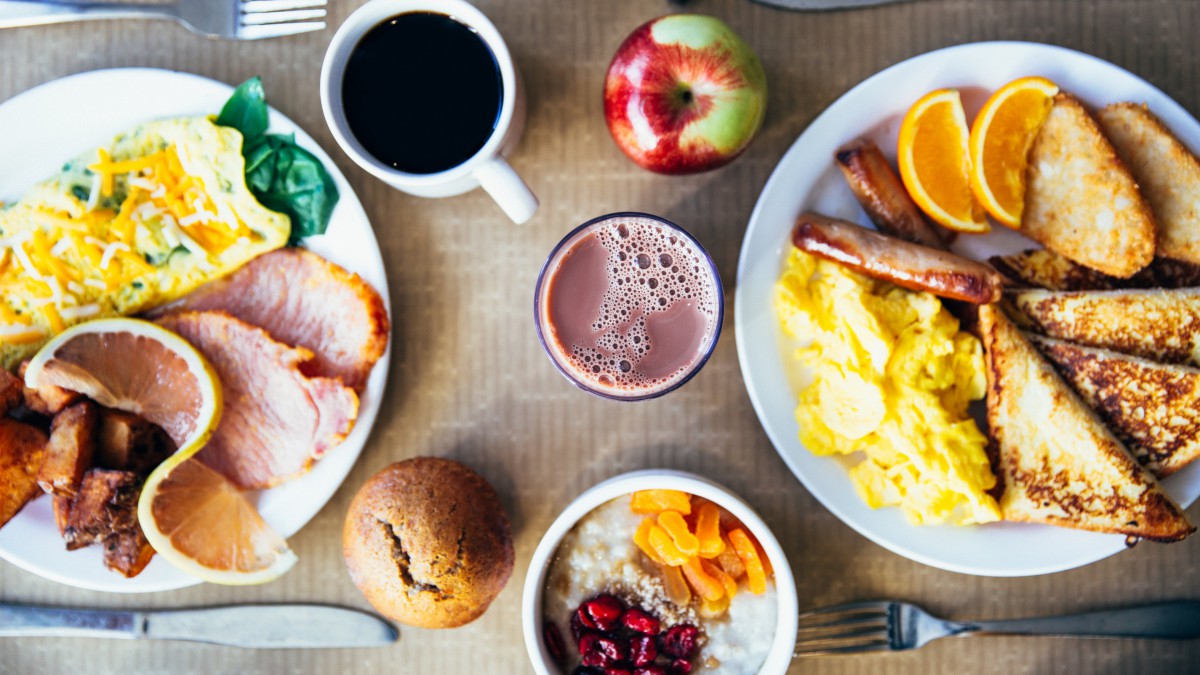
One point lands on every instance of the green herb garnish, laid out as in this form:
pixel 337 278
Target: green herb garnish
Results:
pixel 283 176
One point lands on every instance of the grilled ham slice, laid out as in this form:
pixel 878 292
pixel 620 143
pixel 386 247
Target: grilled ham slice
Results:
pixel 305 301
pixel 1057 461
pixel 1154 407
pixel 276 420
pixel 1162 325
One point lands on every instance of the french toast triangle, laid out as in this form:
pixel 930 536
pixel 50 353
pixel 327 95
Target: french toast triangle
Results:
pixel 1166 171
pixel 1154 407
pixel 1080 200
pixel 1056 460
pixel 1043 268
pixel 1163 325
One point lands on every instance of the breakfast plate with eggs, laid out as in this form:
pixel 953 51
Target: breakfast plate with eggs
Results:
pixel 179 215
pixel 947 520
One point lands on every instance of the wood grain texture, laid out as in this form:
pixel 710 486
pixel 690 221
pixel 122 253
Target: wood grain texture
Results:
pixel 469 380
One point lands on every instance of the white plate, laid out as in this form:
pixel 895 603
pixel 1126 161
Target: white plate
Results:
pixel 57 121
pixel 806 178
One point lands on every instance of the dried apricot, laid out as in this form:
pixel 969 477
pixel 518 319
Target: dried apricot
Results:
pixel 731 563
pixel 711 609
pixel 708 531
pixel 704 585
pixel 666 549
pixel 685 541
pixel 677 588
pixel 756 577
pixel 657 501
pixel 642 539
pixel 727 582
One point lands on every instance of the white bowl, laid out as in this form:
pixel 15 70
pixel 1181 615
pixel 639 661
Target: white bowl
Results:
pixel 784 642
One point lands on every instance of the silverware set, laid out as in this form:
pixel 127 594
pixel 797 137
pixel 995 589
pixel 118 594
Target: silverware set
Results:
pixel 214 19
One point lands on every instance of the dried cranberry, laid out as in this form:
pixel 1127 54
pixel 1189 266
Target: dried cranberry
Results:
pixel 611 649
pixel 681 667
pixel 680 641
pixel 605 611
pixel 596 658
pixel 583 618
pixel 652 669
pixel 640 622
pixel 587 643
pixel 642 650
pixel 554 641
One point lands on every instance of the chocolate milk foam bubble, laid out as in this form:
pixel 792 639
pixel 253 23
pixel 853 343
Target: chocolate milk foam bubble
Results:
pixel 629 306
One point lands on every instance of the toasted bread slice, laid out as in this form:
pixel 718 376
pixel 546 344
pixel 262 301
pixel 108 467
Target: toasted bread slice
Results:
pixel 1080 200
pixel 1158 324
pixel 1167 173
pixel 1153 407
pixel 1057 461
pixel 1043 268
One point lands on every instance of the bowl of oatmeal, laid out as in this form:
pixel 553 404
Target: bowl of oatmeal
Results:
pixel 659 573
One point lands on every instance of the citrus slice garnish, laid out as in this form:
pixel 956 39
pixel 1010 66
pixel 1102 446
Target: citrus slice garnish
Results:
pixel 207 528
pixel 935 165
pixel 999 145
pixel 191 515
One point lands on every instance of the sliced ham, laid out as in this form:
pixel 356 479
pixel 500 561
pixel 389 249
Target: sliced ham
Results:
pixel 304 300
pixel 277 419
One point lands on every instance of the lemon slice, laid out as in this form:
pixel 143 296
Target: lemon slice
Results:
pixel 191 515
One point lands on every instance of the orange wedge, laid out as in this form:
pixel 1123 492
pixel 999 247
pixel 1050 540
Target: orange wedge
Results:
pixel 999 145
pixel 935 164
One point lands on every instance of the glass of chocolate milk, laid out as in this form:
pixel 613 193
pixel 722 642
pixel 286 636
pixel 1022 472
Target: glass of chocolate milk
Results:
pixel 629 306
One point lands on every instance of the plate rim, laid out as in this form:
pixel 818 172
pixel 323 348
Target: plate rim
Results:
pixel 896 544
pixel 377 383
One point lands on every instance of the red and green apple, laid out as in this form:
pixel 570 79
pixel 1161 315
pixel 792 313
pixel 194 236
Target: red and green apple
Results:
pixel 684 94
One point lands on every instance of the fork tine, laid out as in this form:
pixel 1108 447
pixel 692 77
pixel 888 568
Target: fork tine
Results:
pixel 875 645
pixel 879 606
pixel 287 16
pixel 261 32
pixel 844 626
pixel 255 6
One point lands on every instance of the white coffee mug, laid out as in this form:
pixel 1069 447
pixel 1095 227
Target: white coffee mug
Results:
pixel 487 168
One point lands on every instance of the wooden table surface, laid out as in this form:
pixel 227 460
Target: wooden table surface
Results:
pixel 469 380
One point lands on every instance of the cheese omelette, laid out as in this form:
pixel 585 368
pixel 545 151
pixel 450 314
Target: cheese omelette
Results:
pixel 136 224
pixel 889 374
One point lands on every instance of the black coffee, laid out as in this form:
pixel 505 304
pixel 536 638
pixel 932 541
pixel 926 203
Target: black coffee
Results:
pixel 422 92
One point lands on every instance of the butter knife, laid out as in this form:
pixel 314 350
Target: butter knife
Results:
pixel 254 626
pixel 821 5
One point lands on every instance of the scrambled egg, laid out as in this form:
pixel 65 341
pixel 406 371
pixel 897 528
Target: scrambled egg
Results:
pixel 888 373
pixel 124 228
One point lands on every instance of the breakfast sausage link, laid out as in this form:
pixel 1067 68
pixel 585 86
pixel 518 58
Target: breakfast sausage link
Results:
pixel 913 266
pixel 882 195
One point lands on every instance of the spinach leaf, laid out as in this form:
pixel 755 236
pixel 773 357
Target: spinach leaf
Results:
pixel 283 176
pixel 246 111
pixel 289 179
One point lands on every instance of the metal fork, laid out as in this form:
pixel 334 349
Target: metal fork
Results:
pixel 897 626
pixel 224 19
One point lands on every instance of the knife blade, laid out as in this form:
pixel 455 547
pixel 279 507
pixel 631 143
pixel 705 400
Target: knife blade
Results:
pixel 823 5
pixel 252 626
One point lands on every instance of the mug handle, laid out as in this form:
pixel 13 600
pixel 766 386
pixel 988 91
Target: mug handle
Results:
pixel 504 185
